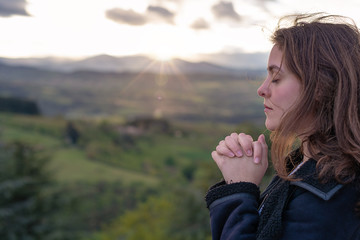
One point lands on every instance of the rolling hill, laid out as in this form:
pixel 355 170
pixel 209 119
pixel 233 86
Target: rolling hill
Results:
pixel 174 90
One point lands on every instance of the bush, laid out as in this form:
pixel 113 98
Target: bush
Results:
pixel 25 206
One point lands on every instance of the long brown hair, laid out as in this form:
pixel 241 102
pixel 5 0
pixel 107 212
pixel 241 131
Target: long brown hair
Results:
pixel 323 51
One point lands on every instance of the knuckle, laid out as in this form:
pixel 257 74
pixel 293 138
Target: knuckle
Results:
pixel 244 136
pixel 234 134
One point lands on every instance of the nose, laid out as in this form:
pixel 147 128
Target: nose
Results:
pixel 263 90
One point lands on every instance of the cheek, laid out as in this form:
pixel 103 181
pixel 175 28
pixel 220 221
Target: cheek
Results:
pixel 289 99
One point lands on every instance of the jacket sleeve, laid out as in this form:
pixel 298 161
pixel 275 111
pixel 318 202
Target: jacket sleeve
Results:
pixel 233 210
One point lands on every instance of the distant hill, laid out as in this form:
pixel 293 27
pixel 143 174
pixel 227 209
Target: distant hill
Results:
pixel 179 90
pixel 137 63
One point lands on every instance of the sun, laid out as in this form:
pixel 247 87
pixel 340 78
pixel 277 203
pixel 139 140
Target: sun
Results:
pixel 163 57
pixel 163 54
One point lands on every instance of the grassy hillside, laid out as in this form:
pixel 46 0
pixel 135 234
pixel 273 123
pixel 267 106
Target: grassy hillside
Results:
pixel 69 163
pixel 117 168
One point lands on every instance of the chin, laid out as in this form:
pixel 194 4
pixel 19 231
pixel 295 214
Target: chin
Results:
pixel 271 126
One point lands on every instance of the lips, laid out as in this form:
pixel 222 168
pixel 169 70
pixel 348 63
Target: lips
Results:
pixel 267 107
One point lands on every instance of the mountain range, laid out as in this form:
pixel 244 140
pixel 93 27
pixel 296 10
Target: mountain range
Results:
pixel 134 86
pixel 226 64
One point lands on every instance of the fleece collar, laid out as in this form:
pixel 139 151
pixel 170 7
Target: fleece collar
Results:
pixel 310 182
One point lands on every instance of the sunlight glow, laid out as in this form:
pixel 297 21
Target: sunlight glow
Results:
pixel 163 54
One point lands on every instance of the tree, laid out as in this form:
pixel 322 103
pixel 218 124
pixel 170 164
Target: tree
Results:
pixel 72 134
pixel 24 204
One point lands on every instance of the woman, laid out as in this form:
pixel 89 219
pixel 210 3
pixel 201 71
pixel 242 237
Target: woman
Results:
pixel 312 106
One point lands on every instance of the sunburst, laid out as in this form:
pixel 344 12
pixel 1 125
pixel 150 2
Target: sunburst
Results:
pixel 167 71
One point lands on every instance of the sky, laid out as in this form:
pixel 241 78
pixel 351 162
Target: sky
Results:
pixel 163 29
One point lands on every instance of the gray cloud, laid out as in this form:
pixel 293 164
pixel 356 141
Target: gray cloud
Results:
pixel 126 16
pixel 13 7
pixel 200 24
pixel 225 10
pixel 152 14
pixel 161 13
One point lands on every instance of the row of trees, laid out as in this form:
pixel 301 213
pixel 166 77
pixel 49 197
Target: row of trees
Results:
pixel 17 105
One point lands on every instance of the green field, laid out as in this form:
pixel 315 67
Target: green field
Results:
pixel 118 168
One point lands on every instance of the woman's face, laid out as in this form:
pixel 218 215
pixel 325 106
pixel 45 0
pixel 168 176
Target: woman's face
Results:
pixel 280 89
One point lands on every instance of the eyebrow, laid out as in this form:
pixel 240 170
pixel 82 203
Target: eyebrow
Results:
pixel 271 68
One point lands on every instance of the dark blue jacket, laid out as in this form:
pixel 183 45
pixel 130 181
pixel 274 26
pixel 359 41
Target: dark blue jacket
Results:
pixel 301 210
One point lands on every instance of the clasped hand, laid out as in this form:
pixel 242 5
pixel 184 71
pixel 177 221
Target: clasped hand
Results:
pixel 241 159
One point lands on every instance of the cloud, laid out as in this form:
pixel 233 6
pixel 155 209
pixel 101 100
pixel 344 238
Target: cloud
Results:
pixel 225 10
pixel 126 16
pixel 200 24
pixel 161 12
pixel 238 60
pixel 166 2
pixel 130 17
pixel 262 4
pixel 13 7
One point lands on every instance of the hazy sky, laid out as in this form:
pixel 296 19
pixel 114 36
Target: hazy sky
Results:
pixel 162 28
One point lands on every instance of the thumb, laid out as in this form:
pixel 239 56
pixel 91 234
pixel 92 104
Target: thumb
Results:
pixel 264 146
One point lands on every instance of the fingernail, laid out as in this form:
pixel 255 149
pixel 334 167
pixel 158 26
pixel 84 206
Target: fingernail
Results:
pixel 257 160
pixel 231 155
pixel 239 153
pixel 248 152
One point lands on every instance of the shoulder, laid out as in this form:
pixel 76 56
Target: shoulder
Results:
pixel 324 209
pixel 310 181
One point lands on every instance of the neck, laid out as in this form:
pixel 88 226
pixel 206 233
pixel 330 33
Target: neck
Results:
pixel 306 152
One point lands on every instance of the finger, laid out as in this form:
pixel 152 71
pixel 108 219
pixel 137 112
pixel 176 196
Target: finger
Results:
pixel 264 146
pixel 246 143
pixel 257 152
pixel 216 157
pixel 222 149
pixel 234 136
pixel 233 144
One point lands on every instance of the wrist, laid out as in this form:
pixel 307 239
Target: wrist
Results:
pixel 226 190
pixel 248 180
